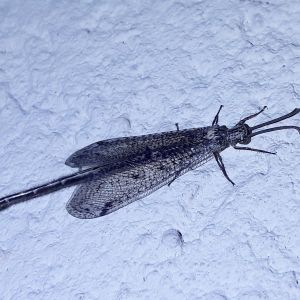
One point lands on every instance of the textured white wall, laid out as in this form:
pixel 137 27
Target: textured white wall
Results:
pixel 75 72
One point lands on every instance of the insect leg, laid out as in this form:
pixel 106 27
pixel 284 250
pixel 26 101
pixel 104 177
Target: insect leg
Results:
pixel 172 181
pixel 216 119
pixel 176 176
pixel 250 117
pixel 221 165
pixel 251 149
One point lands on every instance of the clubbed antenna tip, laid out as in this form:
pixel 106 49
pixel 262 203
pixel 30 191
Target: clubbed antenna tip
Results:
pixel 291 114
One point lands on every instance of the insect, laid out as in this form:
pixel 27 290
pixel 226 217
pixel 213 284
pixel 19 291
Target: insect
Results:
pixel 123 170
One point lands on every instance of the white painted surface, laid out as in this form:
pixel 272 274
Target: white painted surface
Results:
pixel 75 72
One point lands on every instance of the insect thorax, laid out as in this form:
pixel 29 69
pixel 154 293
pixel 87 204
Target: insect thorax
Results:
pixel 214 138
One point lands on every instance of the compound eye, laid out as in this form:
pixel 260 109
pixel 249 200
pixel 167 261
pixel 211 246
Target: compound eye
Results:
pixel 245 141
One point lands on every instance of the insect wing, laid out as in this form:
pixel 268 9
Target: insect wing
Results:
pixel 120 149
pixel 113 191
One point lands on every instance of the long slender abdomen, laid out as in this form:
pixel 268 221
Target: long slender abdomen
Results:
pixel 48 188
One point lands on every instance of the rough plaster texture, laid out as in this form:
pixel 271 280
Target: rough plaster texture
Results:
pixel 75 72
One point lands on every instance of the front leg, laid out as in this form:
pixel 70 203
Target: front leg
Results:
pixel 221 165
pixel 216 119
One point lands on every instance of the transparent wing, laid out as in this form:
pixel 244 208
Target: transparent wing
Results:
pixel 121 187
pixel 120 149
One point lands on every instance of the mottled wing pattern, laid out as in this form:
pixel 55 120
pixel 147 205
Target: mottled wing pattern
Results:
pixel 121 187
pixel 120 149
pixel 135 168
